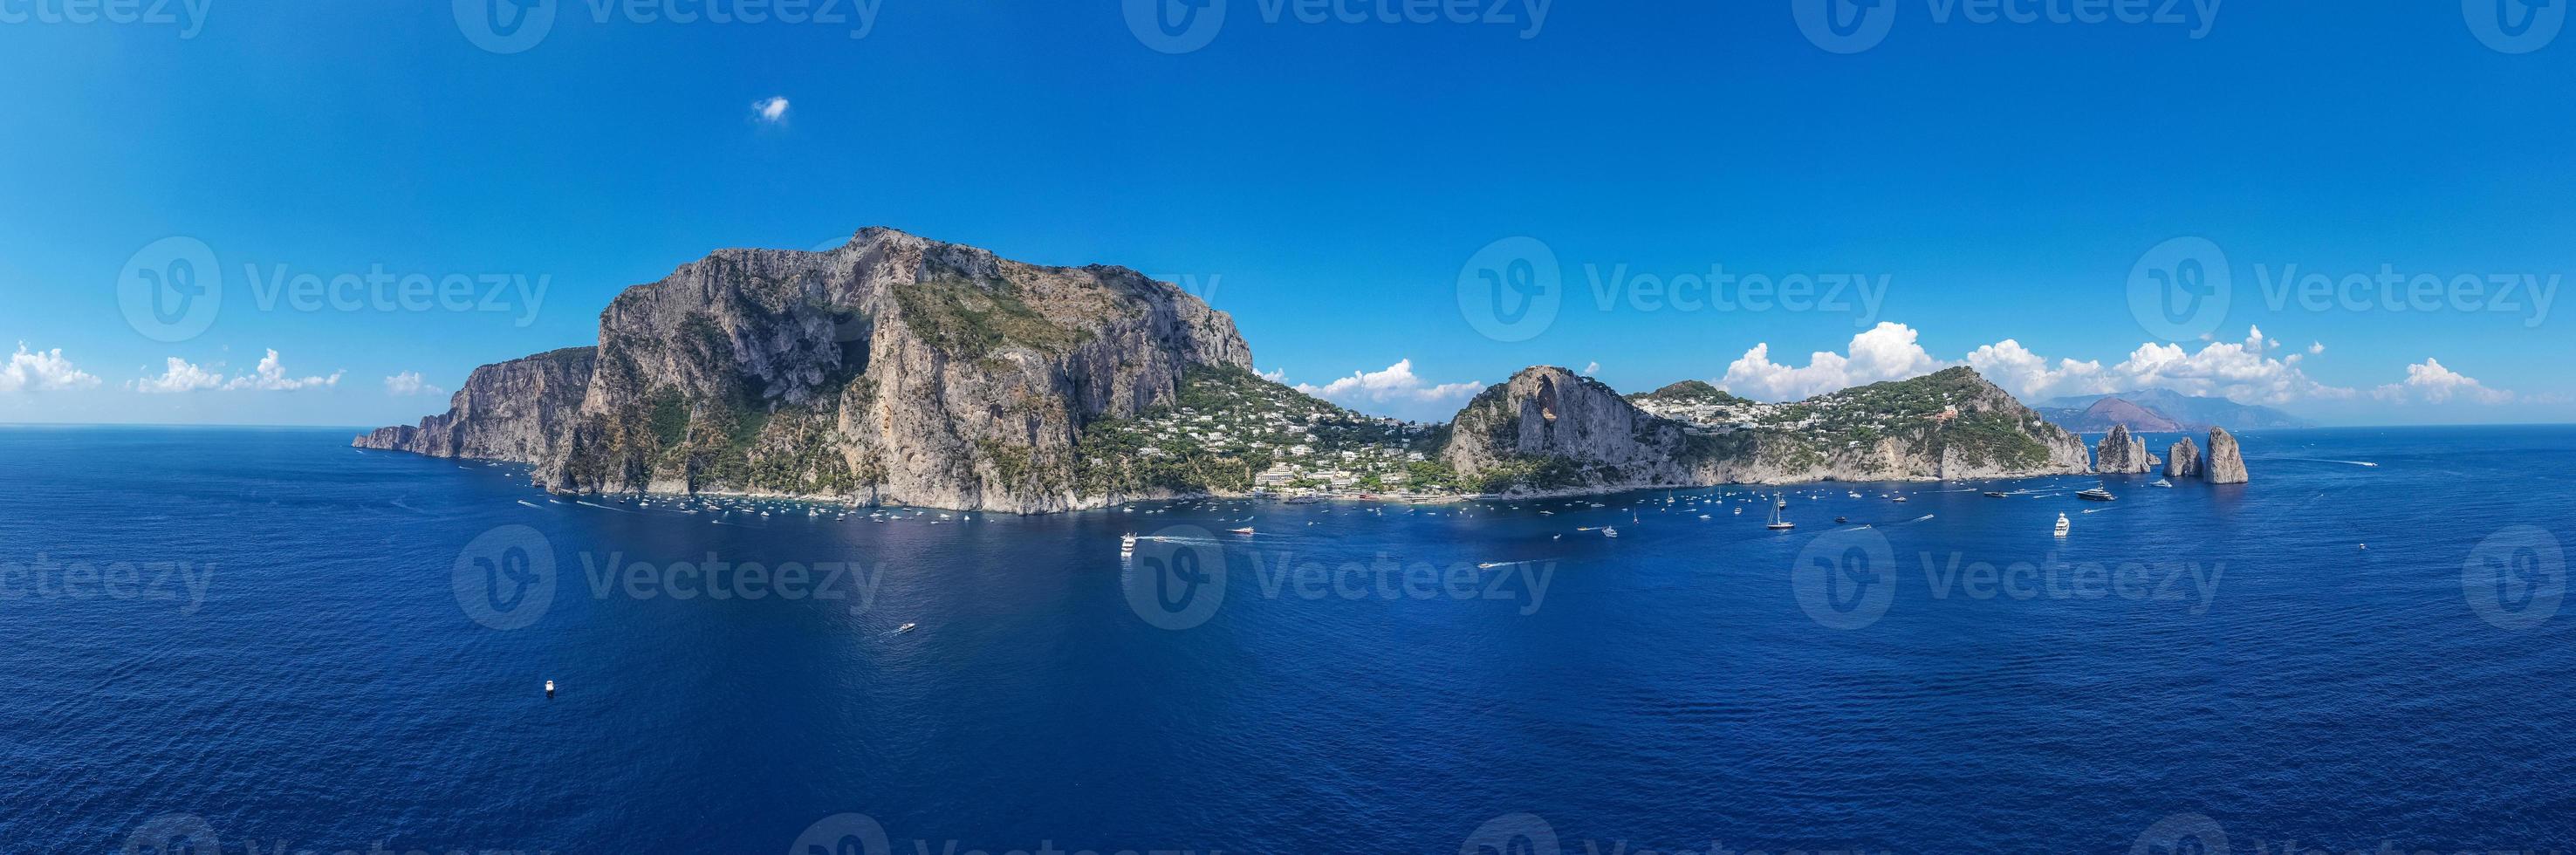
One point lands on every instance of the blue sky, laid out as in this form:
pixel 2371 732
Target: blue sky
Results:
pixel 1330 182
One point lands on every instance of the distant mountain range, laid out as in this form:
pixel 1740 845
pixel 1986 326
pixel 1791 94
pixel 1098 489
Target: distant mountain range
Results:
pixel 2160 411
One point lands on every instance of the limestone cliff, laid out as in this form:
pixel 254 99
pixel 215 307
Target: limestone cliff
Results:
pixel 2183 460
pixel 2226 464
pixel 893 369
pixel 514 411
pixel 1548 429
pixel 2122 454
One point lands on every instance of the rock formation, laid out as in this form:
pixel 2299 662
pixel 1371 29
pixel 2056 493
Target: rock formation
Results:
pixel 2226 465
pixel 2122 454
pixel 1549 429
pixel 893 369
pixel 2183 460
pixel 516 411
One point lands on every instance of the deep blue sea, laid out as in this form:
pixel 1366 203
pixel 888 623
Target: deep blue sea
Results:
pixel 267 641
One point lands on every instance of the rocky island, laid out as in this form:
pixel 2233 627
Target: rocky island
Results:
pixel 901 370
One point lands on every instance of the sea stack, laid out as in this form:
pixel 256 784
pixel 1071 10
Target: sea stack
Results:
pixel 2226 465
pixel 2122 454
pixel 2183 459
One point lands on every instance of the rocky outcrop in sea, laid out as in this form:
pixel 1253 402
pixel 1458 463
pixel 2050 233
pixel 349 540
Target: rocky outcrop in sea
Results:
pixel 2226 464
pixel 2122 454
pixel 894 369
pixel 1551 430
pixel 2183 459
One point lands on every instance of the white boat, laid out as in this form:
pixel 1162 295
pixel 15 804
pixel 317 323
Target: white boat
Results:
pixel 2161 483
pixel 2063 524
pixel 1776 523
pixel 905 628
pixel 1126 543
pixel 1609 531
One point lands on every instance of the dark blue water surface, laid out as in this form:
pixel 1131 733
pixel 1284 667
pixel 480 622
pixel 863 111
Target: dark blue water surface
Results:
pixel 346 679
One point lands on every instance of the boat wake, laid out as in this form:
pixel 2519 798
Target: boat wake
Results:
pixel 2317 460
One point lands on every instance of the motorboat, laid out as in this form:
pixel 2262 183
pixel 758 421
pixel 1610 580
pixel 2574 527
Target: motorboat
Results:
pixel 2097 494
pixel 2063 524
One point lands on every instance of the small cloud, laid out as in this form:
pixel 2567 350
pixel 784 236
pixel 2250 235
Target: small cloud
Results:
pixel 771 110
pixel 41 370
pixel 180 375
pixel 1592 369
pixel 1395 383
pixel 1277 375
pixel 2432 383
pixel 409 383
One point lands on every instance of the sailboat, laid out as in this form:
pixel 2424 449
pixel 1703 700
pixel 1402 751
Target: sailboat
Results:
pixel 1776 523
pixel 2063 524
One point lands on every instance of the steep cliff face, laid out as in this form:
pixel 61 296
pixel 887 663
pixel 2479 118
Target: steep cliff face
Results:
pixel 2226 464
pixel 1549 429
pixel 2183 459
pixel 2122 454
pixel 893 369
pixel 515 411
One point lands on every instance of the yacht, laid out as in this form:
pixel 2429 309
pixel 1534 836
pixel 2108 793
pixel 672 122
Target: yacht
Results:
pixel 1609 531
pixel 2161 483
pixel 1243 530
pixel 2063 524
pixel 2097 494
pixel 1127 543
pixel 1776 523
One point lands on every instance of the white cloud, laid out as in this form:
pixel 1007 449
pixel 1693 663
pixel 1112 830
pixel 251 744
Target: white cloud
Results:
pixel 1395 384
pixel 41 370
pixel 1885 352
pixel 770 110
pixel 1592 369
pixel 180 375
pixel 2244 371
pixel 410 383
pixel 272 377
pixel 2432 383
pixel 1276 375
